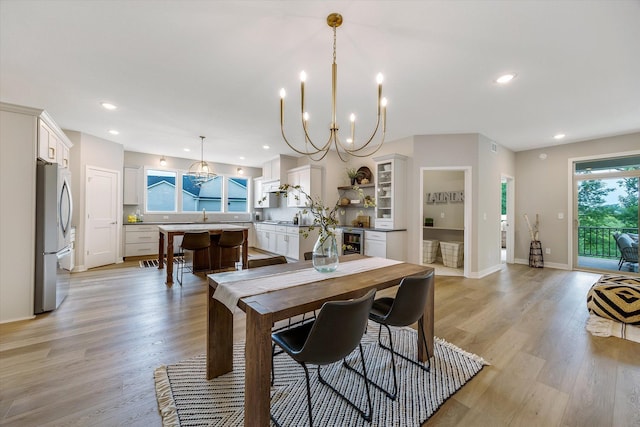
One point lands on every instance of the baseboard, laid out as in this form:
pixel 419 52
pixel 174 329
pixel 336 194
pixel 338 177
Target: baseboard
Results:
pixel 485 272
pixel 17 319
pixel 555 265
pixel 79 269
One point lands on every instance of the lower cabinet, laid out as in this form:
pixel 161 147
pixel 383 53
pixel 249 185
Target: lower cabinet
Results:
pixel 284 240
pixel 140 240
pixel 266 237
pixel 385 244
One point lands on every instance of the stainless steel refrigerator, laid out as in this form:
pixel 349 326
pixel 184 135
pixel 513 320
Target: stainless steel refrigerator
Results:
pixel 53 232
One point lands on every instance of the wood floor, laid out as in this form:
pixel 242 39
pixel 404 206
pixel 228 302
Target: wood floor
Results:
pixel 91 362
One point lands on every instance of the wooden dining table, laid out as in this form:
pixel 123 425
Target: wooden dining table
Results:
pixel 266 307
pixel 172 230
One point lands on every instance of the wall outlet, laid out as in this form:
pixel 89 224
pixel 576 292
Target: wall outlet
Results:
pixel 547 251
pixel 165 217
pixel 441 214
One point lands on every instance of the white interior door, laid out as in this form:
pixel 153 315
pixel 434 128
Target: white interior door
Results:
pixel 101 235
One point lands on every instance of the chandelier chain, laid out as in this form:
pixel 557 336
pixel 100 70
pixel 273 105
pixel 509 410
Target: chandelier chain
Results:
pixel 334 44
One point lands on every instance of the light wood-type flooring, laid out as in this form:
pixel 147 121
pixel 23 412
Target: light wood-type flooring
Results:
pixel 91 362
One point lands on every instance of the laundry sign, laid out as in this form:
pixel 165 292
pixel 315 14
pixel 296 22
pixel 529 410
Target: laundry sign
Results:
pixel 445 197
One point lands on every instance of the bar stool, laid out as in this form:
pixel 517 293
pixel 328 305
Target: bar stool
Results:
pixel 194 241
pixel 231 240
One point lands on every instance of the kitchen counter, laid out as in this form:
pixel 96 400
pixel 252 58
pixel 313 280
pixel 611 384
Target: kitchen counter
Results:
pixel 187 222
pixel 171 230
pixel 282 223
pixel 386 230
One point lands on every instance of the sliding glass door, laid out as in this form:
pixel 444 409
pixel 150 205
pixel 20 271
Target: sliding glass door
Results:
pixel 606 208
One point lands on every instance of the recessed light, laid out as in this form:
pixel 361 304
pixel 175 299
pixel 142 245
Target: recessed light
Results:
pixel 266 147
pixel 241 157
pixel 559 136
pixel 187 149
pixel 114 132
pixel 109 106
pixel 505 78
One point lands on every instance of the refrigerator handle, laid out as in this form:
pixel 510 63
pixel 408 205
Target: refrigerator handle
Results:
pixel 63 252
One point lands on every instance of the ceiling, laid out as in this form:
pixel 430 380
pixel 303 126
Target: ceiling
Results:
pixel 180 69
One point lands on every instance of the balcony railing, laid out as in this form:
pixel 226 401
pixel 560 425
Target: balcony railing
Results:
pixel 599 241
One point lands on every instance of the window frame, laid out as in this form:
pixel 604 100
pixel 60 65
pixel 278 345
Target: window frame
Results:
pixel 178 200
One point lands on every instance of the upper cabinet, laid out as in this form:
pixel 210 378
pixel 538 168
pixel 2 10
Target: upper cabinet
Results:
pixel 257 192
pixel 132 186
pixel 390 191
pixel 276 168
pixel 52 146
pixel 309 178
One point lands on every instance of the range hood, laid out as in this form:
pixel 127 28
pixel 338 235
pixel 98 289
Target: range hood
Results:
pixel 272 186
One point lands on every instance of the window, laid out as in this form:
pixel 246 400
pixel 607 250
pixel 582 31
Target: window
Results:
pixel 207 196
pixel 237 191
pixel 160 191
pixel 167 192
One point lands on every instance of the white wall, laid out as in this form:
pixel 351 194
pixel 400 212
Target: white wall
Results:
pixel 142 160
pixel 89 150
pixel 18 134
pixel 542 186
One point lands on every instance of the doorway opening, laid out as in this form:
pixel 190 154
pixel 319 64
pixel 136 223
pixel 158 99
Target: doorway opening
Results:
pixel 507 201
pixel 445 212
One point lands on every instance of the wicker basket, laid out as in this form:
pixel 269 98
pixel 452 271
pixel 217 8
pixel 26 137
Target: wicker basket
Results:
pixel 452 254
pixel 429 251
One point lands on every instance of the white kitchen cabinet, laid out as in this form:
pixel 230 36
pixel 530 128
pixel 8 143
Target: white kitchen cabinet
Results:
pixel 52 147
pixel 390 191
pixel 385 244
pixel 63 154
pixel 309 178
pixel 266 237
pixel 257 192
pixel 132 186
pixel 47 144
pixel 276 168
pixel 288 242
pixel 293 244
pixel 282 244
pixel 284 240
pixel 142 240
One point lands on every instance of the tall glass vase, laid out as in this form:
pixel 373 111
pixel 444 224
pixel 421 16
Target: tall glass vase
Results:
pixel 325 252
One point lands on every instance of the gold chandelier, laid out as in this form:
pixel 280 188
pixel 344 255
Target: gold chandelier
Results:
pixel 200 172
pixel 317 152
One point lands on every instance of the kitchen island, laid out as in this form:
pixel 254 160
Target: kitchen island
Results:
pixel 169 231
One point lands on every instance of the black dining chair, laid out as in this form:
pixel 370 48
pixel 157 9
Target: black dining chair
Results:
pixel 229 240
pixel 193 241
pixel 405 309
pixel 332 336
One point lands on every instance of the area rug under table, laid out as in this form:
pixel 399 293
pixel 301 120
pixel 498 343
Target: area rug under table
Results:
pixel 186 398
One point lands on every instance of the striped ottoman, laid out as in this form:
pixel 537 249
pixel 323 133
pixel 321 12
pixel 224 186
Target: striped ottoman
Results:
pixel 616 297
